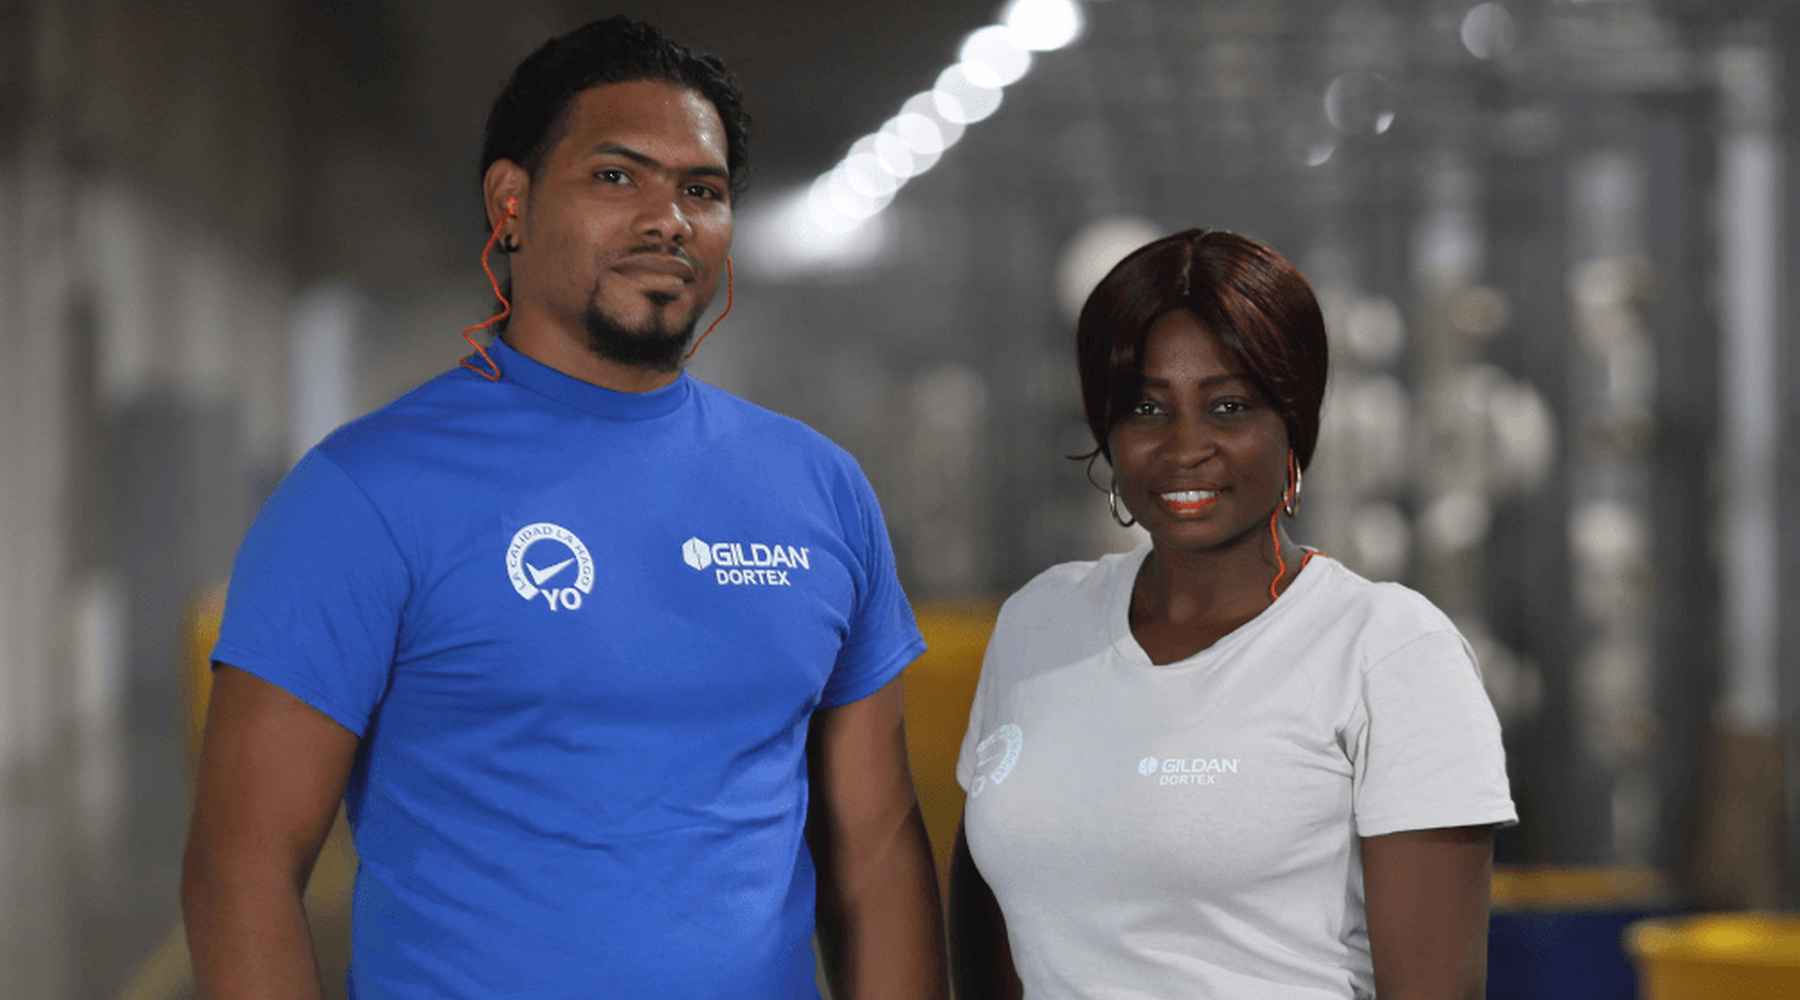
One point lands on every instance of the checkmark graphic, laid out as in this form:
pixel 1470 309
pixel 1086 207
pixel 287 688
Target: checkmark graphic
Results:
pixel 539 576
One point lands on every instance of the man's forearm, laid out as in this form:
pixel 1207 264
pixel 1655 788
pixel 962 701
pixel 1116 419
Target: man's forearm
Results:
pixel 247 935
pixel 881 924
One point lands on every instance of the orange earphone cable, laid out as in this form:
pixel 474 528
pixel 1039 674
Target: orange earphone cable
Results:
pixel 492 372
pixel 1280 563
pixel 729 281
pixel 1275 534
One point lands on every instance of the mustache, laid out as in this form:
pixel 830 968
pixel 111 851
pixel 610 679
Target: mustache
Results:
pixel 674 250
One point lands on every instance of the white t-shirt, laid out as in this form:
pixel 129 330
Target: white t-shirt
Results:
pixel 1190 830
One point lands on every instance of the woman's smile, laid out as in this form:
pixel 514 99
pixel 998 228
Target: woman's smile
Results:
pixel 1188 503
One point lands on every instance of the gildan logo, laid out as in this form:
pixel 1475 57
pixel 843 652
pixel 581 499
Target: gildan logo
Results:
pixel 1187 770
pixel 995 757
pixel 547 560
pixel 740 564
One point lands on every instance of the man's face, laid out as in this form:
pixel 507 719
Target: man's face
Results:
pixel 629 220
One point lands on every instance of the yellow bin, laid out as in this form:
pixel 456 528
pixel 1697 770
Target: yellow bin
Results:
pixel 1730 956
pixel 939 690
pixel 200 629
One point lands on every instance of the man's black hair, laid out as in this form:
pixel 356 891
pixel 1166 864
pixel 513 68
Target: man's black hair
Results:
pixel 529 115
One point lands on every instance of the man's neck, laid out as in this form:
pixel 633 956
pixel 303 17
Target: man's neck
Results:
pixel 548 345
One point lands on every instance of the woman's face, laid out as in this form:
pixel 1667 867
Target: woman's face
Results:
pixel 1201 456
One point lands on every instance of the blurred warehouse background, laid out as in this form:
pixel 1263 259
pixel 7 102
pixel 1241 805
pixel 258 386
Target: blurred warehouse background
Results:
pixel 1554 238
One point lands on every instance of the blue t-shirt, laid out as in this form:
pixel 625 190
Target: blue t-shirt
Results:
pixel 581 635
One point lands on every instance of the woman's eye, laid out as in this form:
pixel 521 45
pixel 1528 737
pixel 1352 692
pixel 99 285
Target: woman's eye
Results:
pixel 1230 407
pixel 1146 408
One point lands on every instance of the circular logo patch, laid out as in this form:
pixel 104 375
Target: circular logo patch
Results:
pixel 996 756
pixel 547 560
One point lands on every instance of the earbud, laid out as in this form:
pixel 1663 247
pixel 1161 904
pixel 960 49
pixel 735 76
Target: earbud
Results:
pixel 510 243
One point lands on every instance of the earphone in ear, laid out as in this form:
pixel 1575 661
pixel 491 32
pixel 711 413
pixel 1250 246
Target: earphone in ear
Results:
pixel 510 243
pixel 492 370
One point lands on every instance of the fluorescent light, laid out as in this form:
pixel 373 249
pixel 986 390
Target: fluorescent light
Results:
pixel 866 176
pixel 925 106
pixel 895 156
pixel 962 100
pixel 843 200
pixel 836 193
pixel 1043 25
pixel 992 58
pixel 921 134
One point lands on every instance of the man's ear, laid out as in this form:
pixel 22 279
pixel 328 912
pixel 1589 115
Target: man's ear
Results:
pixel 505 189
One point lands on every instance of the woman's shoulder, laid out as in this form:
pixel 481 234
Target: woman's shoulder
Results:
pixel 1065 587
pixel 1064 581
pixel 1386 616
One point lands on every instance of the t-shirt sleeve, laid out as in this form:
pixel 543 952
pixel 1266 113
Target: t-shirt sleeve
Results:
pixel 883 636
pixel 1427 742
pixel 1001 648
pixel 966 757
pixel 316 595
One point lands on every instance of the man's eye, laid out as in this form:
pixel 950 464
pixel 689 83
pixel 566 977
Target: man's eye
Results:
pixel 611 175
pixel 703 191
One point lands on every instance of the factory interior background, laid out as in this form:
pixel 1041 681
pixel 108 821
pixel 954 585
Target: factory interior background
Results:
pixel 1553 238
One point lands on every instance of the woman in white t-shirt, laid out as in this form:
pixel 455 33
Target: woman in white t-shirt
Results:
pixel 1222 765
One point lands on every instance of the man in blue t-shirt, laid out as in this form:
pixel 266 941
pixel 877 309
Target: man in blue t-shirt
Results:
pixel 591 650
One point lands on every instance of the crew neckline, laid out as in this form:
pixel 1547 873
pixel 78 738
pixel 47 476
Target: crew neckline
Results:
pixel 1126 645
pixel 599 401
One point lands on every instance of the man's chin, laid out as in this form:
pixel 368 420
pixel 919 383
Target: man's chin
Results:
pixel 651 346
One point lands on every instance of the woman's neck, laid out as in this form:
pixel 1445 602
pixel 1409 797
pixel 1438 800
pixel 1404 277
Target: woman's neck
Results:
pixel 1207 589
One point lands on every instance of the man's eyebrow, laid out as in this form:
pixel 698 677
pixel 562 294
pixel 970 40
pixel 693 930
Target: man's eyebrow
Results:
pixel 645 159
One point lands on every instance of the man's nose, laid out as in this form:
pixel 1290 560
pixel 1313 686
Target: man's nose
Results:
pixel 661 218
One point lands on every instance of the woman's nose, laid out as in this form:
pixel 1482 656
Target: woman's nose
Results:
pixel 1190 442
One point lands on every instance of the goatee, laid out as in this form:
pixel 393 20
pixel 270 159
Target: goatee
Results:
pixel 656 345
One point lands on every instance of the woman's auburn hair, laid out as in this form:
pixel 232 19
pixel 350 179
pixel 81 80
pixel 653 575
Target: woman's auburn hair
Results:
pixel 1248 295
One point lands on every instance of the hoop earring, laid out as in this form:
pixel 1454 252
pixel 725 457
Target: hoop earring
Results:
pixel 1290 497
pixel 1112 504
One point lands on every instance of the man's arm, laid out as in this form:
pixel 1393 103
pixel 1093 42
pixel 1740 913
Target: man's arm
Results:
pixel 1428 893
pixel 880 926
pixel 980 956
pixel 272 770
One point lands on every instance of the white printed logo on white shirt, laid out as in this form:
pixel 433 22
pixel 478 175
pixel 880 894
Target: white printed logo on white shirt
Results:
pixel 996 756
pixel 535 569
pixel 1174 771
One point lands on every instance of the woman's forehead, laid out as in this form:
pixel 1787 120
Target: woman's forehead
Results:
pixel 1179 348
